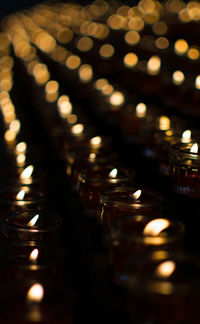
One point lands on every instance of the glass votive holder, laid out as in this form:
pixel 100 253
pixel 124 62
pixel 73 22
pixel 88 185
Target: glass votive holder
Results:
pixel 185 169
pixel 162 285
pixel 135 235
pixel 20 198
pixel 123 201
pixel 79 160
pixel 31 225
pixel 93 180
pixel 34 260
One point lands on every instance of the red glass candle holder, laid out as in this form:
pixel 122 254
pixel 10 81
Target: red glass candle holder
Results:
pixel 185 169
pixel 164 286
pixel 31 225
pixel 92 180
pixel 133 236
pixel 120 202
pixel 20 198
pixel 79 160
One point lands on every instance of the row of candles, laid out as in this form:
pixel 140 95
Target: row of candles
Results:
pixel 130 217
pixel 31 255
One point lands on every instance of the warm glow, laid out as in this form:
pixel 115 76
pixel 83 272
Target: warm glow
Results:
pixel 108 89
pixel 85 44
pixel 100 83
pixel 156 226
pixel 51 87
pixel 41 73
pixel 20 148
pixel 193 53
pixel 162 42
pixel 64 106
pixel 27 173
pixel 165 269
pixel 92 157
pixel 86 72
pixel 178 77
pixel 194 148
pixel 130 60
pixel 15 126
pixel 164 123
pixel 72 119
pixel 77 129
pixel 95 141
pixel 106 50
pixel 20 159
pixel 35 293
pixel 113 173
pixel 34 255
pixel 33 221
pixel 136 195
pixel 132 37
pixel 186 136
pixel 9 136
pixel 181 47
pixel 141 110
pixel 73 62
pixel 197 82
pixel 153 65
pixel 117 98
pixel 160 28
pixel 20 195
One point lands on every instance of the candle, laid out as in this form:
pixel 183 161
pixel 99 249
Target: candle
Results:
pixel 30 225
pixel 162 285
pixel 185 168
pixel 21 197
pixel 120 202
pixel 133 236
pixel 93 180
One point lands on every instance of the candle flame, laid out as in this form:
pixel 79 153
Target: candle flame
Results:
pixel 35 293
pixel 26 173
pixel 113 173
pixel 194 148
pixel 141 110
pixel 156 226
pixel 21 147
pixel 33 221
pixel 92 156
pixel 20 195
pixel 95 141
pixel 136 195
pixel 165 269
pixel 34 255
pixel 77 129
pixel 164 123
pixel 186 136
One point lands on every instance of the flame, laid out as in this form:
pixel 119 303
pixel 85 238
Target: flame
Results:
pixel 95 141
pixel 77 129
pixel 21 148
pixel 141 110
pixel 186 136
pixel 164 123
pixel 35 293
pixel 20 159
pixel 33 221
pixel 194 148
pixel 113 173
pixel 165 269
pixel 20 195
pixel 26 173
pixel 116 98
pixel 137 194
pixel 156 226
pixel 34 255
pixel 92 156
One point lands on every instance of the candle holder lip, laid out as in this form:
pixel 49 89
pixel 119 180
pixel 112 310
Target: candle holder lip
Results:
pixel 183 279
pixel 100 173
pixel 181 150
pixel 18 254
pixel 109 197
pixel 53 221
pixel 122 230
